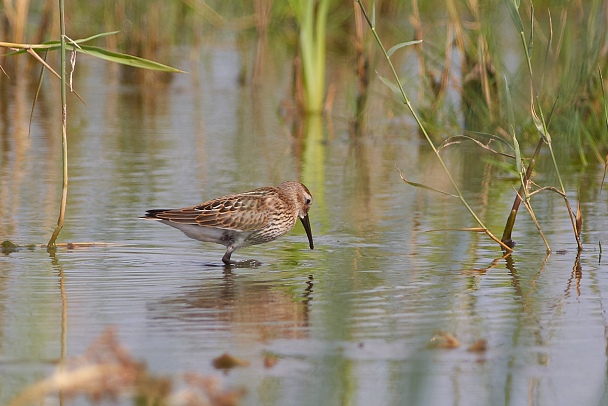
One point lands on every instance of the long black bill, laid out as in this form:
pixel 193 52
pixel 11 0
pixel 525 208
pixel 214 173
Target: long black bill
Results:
pixel 306 223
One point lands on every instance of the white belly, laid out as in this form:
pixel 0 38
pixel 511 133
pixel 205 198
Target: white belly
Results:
pixel 228 238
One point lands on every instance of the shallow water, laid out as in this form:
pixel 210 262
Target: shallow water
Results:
pixel 351 322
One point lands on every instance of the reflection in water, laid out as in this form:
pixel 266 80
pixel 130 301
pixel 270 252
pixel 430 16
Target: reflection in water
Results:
pixel 56 264
pixel 64 302
pixel 259 309
pixel 575 276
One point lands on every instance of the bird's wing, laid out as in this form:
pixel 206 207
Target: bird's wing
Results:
pixel 248 211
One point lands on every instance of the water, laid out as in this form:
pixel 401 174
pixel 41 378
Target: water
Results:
pixel 350 322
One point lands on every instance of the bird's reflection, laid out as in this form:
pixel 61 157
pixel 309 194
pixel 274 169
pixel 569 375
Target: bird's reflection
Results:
pixel 243 303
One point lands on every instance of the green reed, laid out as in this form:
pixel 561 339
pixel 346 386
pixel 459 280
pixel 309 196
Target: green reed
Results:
pixel 557 95
pixel 490 96
pixel 540 121
pixel 311 16
pixel 397 88
pixel 64 130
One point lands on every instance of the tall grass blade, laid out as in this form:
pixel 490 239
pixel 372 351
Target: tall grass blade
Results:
pixel 510 114
pixel 373 22
pixel 531 38
pixel 513 6
pixel 422 186
pixel 392 50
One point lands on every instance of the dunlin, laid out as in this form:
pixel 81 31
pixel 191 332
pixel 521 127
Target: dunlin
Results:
pixel 242 219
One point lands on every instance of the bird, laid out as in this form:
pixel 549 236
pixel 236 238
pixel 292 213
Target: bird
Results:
pixel 242 219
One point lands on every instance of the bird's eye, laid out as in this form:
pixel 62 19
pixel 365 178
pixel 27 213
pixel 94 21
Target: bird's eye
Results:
pixel 308 200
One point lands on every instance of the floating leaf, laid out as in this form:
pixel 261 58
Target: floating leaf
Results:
pixel 402 45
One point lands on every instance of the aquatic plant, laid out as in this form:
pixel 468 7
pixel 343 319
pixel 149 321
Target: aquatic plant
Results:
pixel 66 44
pixel 523 167
pixel 311 16
pixel 523 195
pixel 398 89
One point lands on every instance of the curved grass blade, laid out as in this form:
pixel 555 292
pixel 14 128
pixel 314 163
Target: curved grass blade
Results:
pixel 124 59
pixel 91 38
pixel 420 185
pixel 38 87
pixel 492 137
pixel 402 45
pixel 390 85
pixel 456 140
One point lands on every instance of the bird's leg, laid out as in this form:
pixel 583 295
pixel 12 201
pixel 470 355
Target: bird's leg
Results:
pixel 226 257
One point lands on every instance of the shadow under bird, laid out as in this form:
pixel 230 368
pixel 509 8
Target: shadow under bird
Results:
pixel 242 219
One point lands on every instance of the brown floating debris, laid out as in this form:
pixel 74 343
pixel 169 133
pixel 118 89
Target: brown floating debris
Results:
pixel 444 340
pixel 480 345
pixel 227 361
pixel 207 391
pixel 107 372
pixel 270 360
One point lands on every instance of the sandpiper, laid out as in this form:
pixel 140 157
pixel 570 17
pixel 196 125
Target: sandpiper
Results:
pixel 242 219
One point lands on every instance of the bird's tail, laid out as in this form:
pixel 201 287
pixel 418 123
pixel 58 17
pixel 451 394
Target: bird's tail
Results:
pixel 152 214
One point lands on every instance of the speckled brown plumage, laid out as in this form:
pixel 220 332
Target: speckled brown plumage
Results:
pixel 243 219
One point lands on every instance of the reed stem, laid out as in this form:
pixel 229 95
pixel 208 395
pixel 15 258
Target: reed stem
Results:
pixel 64 135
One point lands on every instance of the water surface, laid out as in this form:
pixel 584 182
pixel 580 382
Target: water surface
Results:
pixel 350 322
